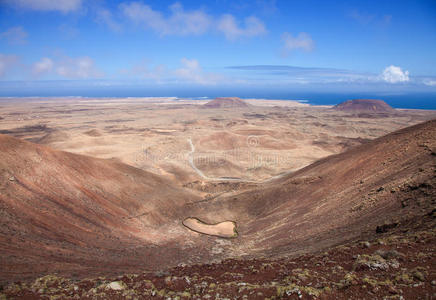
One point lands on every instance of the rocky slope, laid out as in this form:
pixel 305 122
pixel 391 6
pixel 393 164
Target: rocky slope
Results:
pixel 79 214
pixel 297 235
pixel 397 264
pixel 336 199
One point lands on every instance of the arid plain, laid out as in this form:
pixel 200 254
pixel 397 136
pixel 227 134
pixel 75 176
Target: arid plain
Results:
pixel 162 135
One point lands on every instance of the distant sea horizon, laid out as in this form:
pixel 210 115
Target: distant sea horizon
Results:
pixel 425 101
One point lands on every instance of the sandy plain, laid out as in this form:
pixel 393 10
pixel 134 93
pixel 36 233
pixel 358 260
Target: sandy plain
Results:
pixel 191 145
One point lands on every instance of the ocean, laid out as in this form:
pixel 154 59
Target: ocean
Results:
pixel 403 100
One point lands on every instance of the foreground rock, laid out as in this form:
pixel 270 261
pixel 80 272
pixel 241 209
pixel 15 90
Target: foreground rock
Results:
pixel 350 271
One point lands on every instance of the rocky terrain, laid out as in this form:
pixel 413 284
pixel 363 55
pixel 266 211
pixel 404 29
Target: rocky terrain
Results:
pixel 397 263
pixel 357 224
pixel 80 214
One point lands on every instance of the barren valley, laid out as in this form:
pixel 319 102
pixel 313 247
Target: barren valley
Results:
pixel 254 142
pixel 188 189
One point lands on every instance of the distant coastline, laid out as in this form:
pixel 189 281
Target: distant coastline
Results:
pixel 402 101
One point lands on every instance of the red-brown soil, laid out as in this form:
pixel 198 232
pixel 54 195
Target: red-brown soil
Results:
pixel 336 199
pixel 298 234
pixel 397 264
pixel 226 102
pixel 62 212
pixel 365 105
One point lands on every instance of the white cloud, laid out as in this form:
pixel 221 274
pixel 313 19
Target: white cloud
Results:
pixel 302 41
pixel 104 16
pixel 14 35
pixel 63 6
pixel 81 67
pixel 430 82
pixel 143 14
pixel 180 22
pixel 193 22
pixel 191 71
pixel 7 62
pixel 393 74
pixel 229 26
pixel 67 67
pixel 43 66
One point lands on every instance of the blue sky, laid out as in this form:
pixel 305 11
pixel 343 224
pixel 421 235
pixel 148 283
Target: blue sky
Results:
pixel 387 46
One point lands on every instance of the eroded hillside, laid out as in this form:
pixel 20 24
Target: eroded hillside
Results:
pixel 84 216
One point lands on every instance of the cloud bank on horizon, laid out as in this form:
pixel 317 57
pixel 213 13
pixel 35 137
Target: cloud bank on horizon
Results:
pixel 258 43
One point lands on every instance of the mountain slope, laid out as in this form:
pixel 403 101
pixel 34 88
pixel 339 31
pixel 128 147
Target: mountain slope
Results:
pixel 335 199
pixel 380 195
pixel 76 215
pixel 73 212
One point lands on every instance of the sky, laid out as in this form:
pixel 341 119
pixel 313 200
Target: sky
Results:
pixel 324 46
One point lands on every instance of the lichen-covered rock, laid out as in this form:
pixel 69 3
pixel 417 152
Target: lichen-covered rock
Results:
pixel 116 285
pixel 371 262
pixel 418 275
pixel 389 254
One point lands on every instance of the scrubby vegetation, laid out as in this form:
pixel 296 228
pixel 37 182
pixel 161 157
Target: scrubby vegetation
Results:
pixel 393 266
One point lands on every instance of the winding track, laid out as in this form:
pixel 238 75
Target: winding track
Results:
pixel 191 161
pixel 202 175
